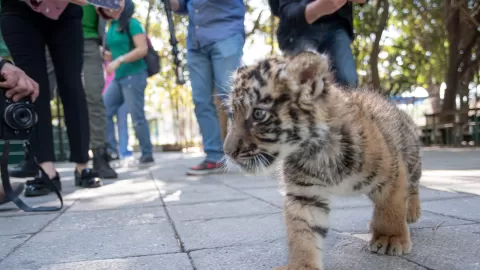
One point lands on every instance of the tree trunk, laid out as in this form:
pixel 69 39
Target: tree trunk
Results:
pixel 272 33
pixel 376 45
pixel 149 12
pixel 453 34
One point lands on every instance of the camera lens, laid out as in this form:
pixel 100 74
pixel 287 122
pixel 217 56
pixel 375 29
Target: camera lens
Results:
pixel 19 116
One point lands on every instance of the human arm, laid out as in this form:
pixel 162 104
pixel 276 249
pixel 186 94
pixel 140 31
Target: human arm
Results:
pixel 141 47
pixel 16 83
pixel 320 8
pixel 179 6
pixel 302 13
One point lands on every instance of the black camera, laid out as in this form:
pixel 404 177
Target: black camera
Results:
pixel 17 119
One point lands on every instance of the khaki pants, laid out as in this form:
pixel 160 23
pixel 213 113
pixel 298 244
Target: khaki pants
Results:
pixel 94 82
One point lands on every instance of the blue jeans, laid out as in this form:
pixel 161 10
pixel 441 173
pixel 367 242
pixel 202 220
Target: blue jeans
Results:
pixel 333 40
pixel 210 67
pixel 122 126
pixel 130 90
pixel 336 43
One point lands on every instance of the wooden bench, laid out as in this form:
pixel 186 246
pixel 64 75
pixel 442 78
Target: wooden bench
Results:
pixel 452 133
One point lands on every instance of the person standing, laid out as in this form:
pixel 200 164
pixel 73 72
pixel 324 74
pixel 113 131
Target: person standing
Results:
pixel 325 26
pixel 27 167
pixel 215 41
pixel 93 32
pixel 121 152
pixel 127 51
pixel 27 27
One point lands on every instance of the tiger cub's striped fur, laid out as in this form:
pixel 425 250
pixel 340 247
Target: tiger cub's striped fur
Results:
pixel 325 140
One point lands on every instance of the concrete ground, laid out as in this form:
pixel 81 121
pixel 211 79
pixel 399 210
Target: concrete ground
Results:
pixel 158 218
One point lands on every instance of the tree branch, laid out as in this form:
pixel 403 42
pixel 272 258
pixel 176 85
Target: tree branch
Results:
pixel 468 48
pixel 256 25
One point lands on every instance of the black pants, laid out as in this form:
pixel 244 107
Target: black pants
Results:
pixel 26 33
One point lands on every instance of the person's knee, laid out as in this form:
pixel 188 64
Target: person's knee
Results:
pixel 202 106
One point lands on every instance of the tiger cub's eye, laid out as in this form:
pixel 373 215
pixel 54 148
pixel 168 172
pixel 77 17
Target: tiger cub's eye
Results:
pixel 259 115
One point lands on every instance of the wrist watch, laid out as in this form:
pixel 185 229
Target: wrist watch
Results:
pixel 3 62
pixel 121 58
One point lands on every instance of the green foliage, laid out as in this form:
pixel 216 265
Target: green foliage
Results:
pixel 413 49
pixel 413 52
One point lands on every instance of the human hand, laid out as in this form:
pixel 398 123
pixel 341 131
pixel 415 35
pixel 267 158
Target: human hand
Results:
pixel 358 1
pixel 107 56
pixel 327 7
pixel 112 66
pixel 17 84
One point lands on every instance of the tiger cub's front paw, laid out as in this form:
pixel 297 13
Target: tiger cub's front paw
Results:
pixel 391 245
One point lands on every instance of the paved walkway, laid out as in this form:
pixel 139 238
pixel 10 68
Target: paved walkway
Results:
pixel 161 219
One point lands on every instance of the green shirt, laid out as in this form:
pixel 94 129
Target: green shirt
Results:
pixel 119 44
pixel 90 22
pixel 3 47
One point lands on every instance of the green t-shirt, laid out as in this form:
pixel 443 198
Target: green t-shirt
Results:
pixel 90 22
pixel 3 47
pixel 119 44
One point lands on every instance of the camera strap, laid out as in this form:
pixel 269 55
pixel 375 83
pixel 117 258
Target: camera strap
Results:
pixel 8 187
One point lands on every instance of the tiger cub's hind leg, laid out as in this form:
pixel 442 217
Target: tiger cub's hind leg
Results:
pixel 390 233
pixel 413 200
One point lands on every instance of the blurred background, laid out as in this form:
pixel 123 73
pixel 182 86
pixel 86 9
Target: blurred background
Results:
pixel 422 54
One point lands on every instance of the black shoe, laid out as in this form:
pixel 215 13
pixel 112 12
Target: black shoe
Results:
pixel 24 169
pixel 87 179
pixel 39 187
pixel 112 155
pixel 101 165
pixel 206 167
pixel 146 160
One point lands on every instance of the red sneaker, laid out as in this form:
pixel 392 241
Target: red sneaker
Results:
pixel 206 167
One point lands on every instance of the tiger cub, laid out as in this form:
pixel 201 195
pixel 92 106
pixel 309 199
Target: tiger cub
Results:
pixel 288 114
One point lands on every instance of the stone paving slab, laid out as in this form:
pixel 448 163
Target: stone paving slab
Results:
pixel 275 196
pixel 137 200
pixel 206 211
pixel 24 224
pixel 9 242
pixel 467 208
pixel 243 182
pixel 343 252
pixel 107 219
pixel 176 261
pixel 231 231
pixel 231 221
pixel 94 244
pixel 200 194
pixel 447 248
pixel 357 220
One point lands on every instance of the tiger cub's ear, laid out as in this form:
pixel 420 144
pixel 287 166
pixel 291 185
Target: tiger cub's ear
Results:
pixel 309 69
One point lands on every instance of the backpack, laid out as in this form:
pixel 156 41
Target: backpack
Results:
pixel 152 59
